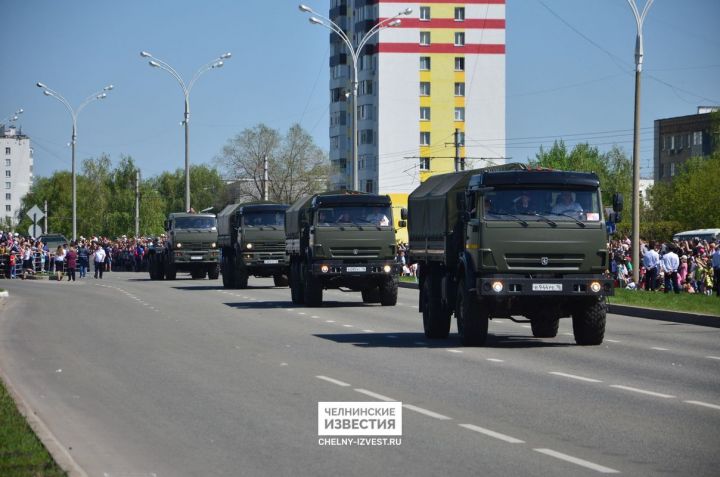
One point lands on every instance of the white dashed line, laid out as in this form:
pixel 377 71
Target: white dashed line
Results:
pixel 374 395
pixel 348 326
pixel 612 341
pixel 315 316
pixel 334 381
pixel 712 357
pixel 573 376
pixel 427 412
pixel 454 351
pixel 659 349
pixel 488 432
pixel 700 403
pixel 368 331
pixel 329 321
pixel 301 313
pixel 576 461
pixel 642 391
pixel 495 360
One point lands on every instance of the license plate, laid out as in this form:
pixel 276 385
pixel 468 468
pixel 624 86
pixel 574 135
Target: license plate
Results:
pixel 196 257
pixel 271 261
pixel 547 286
pixel 356 269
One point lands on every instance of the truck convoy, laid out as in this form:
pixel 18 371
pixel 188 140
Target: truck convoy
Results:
pixel 342 240
pixel 251 237
pixel 508 240
pixel 190 246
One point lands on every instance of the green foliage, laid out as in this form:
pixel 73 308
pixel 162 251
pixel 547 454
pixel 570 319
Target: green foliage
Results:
pixel 207 189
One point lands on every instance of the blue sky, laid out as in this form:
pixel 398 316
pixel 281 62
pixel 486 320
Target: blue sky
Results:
pixel 570 73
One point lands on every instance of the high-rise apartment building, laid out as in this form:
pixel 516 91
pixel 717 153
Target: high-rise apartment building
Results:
pixel 17 174
pixel 431 91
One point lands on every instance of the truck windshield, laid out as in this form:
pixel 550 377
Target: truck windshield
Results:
pixel 355 215
pixel 195 223
pixel 268 218
pixel 556 204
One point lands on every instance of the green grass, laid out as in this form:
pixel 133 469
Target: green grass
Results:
pixel 408 279
pixel 683 302
pixel 21 453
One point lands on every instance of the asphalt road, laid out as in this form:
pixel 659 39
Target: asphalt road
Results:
pixel 141 378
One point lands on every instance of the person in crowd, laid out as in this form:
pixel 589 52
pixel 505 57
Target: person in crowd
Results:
pixel 59 262
pixel 670 263
pixel 27 261
pixel 71 258
pixel 108 256
pixel 682 270
pixel 715 261
pixel 651 262
pixel 98 259
pixel 83 258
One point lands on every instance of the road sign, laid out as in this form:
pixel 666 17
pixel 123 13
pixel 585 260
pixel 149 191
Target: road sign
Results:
pixel 35 213
pixel 35 230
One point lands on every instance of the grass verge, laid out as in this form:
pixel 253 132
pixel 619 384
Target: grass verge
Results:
pixel 682 302
pixel 21 453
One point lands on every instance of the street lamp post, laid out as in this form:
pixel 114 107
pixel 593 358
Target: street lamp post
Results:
pixel 639 19
pixel 354 55
pixel 102 94
pixel 157 63
pixel 13 117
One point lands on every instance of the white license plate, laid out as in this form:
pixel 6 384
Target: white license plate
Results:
pixel 547 286
pixel 196 257
pixel 356 269
pixel 271 261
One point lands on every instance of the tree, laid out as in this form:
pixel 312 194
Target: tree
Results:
pixel 207 189
pixel 296 166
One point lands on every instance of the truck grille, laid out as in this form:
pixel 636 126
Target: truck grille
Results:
pixel 536 261
pixel 269 246
pixel 355 252
pixel 196 246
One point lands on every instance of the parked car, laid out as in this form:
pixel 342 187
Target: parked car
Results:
pixel 702 234
pixel 53 240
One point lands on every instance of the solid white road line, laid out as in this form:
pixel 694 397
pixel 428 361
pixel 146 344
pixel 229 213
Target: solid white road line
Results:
pixel 576 461
pixel 488 432
pixel 426 412
pixel 573 376
pixel 642 391
pixel 374 395
pixel 700 403
pixel 334 381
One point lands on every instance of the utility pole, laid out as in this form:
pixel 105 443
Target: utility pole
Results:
pixel 265 178
pixel 45 223
pixel 459 161
pixel 137 203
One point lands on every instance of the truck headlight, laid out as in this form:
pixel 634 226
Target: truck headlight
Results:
pixel 249 246
pixel 213 245
pixel 595 287
pixel 497 287
pixel 324 269
pixel 387 269
pixel 178 245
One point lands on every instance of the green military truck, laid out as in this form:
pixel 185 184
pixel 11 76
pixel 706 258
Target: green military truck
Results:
pixel 505 241
pixel 190 245
pixel 251 237
pixel 342 240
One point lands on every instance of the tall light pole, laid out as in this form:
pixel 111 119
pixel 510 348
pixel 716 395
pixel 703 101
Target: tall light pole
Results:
pixel 13 117
pixel 639 19
pixel 321 20
pixel 102 94
pixel 157 63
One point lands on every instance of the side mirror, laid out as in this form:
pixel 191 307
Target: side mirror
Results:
pixel 617 202
pixel 403 215
pixel 402 223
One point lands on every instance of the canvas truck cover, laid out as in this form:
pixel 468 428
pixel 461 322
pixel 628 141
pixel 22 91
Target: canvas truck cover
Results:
pixel 225 219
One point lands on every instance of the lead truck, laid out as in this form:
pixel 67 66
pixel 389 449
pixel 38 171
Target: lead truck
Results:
pixel 508 240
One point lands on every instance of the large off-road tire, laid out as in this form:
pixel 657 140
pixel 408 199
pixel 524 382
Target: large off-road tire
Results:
pixel 389 291
pixel 436 321
pixel 280 280
pixel 296 289
pixel 313 291
pixel 170 271
pixel 213 272
pixel 240 279
pixel 227 272
pixel 155 269
pixel 589 322
pixel 370 295
pixel 544 324
pixel 472 317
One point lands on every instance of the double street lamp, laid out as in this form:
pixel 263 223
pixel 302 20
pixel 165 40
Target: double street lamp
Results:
pixel 102 94
pixel 157 63
pixel 321 20
pixel 13 117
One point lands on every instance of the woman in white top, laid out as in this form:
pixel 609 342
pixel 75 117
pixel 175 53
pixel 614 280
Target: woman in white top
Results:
pixel 59 262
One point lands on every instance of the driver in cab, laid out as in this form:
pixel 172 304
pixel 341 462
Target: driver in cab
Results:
pixel 566 204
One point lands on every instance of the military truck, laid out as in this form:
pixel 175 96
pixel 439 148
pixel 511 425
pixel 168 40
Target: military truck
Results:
pixel 342 240
pixel 190 245
pixel 251 237
pixel 508 240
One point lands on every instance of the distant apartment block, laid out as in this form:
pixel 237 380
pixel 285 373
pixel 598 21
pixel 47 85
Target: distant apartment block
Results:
pixel 17 173
pixel 680 138
pixel 440 71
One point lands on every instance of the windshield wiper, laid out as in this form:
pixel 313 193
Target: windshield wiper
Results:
pixel 545 219
pixel 571 217
pixel 502 212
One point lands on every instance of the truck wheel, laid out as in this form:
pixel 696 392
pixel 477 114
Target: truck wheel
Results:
pixel 436 321
pixel 156 272
pixel 227 272
pixel 589 322
pixel 280 280
pixel 240 279
pixel 472 317
pixel 296 291
pixel 544 325
pixel 370 295
pixel 170 272
pixel 213 272
pixel 389 292
pixel 313 291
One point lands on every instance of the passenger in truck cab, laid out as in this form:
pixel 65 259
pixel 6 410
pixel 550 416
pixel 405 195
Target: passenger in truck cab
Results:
pixel 566 204
pixel 376 216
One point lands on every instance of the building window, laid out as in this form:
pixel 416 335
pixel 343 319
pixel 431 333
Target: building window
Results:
pixel 8 196
pixel 425 13
pixel 459 14
pixel 459 114
pixel 8 209
pixel 8 162
pixel 365 88
pixel 672 169
pixel 461 138
pixel 365 111
pixel 366 136
pixel 424 138
pixel 8 185
pixel 8 174
pixel 369 186
pixel 459 89
pixel 7 151
pixel 459 63
pixel 424 163
pixel 425 38
pixel 424 88
pixel 697 139
pixel 334 142
pixel 459 38
pixel 424 62
pixel 424 114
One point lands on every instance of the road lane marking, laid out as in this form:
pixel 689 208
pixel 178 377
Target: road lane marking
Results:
pixel 489 433
pixel 495 360
pixel 329 321
pixel 334 381
pixel 573 376
pixel 642 391
pixel 368 331
pixel 314 316
pixel 574 460
pixel 427 412
pixel 712 357
pixel 348 326
pixel 301 313
pixel 612 341
pixel 659 349
pixel 374 395
pixel 705 404
pixel 454 351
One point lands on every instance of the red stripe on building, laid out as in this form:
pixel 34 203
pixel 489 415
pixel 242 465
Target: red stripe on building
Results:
pixel 487 23
pixel 441 48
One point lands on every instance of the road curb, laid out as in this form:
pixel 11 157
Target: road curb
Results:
pixel 4 294
pixel 647 313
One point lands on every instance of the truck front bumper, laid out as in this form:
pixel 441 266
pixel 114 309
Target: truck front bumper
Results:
pixel 509 285
pixel 335 268
pixel 196 256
